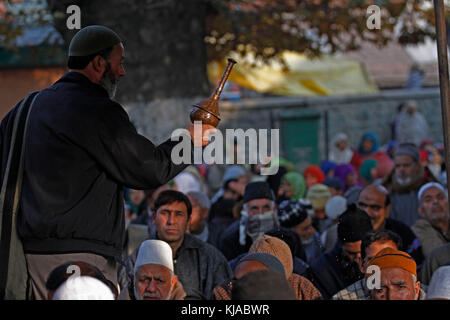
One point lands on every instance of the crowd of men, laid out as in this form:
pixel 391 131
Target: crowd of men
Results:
pixel 106 214
pixel 331 227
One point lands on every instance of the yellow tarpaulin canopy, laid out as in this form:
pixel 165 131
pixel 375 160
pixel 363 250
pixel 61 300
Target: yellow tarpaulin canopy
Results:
pixel 327 75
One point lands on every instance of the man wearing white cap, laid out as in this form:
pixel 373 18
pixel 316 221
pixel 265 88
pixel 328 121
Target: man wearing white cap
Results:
pixel 199 266
pixel 154 277
pixel 439 288
pixel 83 288
pixel 433 230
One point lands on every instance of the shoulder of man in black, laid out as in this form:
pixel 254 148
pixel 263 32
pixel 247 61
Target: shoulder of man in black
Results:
pixel 229 241
pixel 325 272
pixel 400 228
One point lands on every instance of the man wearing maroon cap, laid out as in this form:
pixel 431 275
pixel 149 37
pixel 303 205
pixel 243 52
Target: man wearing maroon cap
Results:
pixel 397 272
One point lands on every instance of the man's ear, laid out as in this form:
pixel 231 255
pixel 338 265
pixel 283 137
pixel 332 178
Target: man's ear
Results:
pixel 421 212
pixel 388 210
pixel 174 281
pixel 417 289
pixel 98 64
pixel 153 216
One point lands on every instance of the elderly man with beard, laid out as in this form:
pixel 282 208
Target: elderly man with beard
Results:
pixel 433 230
pixel 81 150
pixel 340 267
pixel 258 216
pixel 404 182
pixel 294 215
pixel 154 277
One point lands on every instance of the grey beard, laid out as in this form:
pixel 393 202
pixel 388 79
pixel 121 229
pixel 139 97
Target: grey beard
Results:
pixel 402 181
pixel 308 241
pixel 109 83
pixel 169 295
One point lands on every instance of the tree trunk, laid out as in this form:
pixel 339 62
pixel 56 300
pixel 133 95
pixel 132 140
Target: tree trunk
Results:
pixel 165 53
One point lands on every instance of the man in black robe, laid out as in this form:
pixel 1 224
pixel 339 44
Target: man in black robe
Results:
pixel 80 151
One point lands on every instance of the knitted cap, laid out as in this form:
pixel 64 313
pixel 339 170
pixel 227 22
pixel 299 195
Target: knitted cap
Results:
pixel 258 190
pixel 92 39
pixel 318 194
pixel 391 258
pixel 408 149
pixel 262 285
pixel 291 213
pixel 353 224
pixel 277 248
pixel 269 260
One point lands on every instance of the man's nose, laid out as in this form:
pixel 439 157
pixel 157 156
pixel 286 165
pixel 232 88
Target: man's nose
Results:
pixel 170 218
pixel 122 72
pixel 151 286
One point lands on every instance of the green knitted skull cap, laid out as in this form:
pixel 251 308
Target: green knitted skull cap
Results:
pixel 92 39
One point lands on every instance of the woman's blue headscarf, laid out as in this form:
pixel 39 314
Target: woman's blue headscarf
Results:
pixel 371 136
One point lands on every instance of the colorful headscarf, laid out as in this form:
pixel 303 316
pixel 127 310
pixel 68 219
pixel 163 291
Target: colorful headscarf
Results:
pixel 366 167
pixel 315 171
pixel 371 136
pixel 297 183
pixel 342 171
pixel 326 166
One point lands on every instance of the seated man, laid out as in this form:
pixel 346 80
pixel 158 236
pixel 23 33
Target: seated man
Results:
pixel 258 216
pixel 318 195
pixel 372 243
pixel 83 288
pixel 437 258
pixel 439 288
pixel 375 201
pixel 154 278
pixel 294 215
pixel 199 226
pixel 253 286
pixel 75 268
pixel 397 276
pixel 433 230
pixel 199 266
pixel 340 267
pixel 263 254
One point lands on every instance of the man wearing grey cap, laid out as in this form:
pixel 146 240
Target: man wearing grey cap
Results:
pixel 404 182
pixel 81 150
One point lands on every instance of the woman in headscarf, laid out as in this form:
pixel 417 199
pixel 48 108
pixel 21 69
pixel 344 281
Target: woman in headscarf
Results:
pixel 340 151
pixel 347 174
pixel 293 187
pixel 368 171
pixel 369 148
pixel 313 175
pixel 327 168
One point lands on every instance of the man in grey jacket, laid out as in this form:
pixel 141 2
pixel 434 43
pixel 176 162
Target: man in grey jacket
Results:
pixel 199 266
pixel 433 230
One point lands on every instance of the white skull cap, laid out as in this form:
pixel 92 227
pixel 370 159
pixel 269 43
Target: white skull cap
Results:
pixel 83 288
pixel 428 186
pixel 154 252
